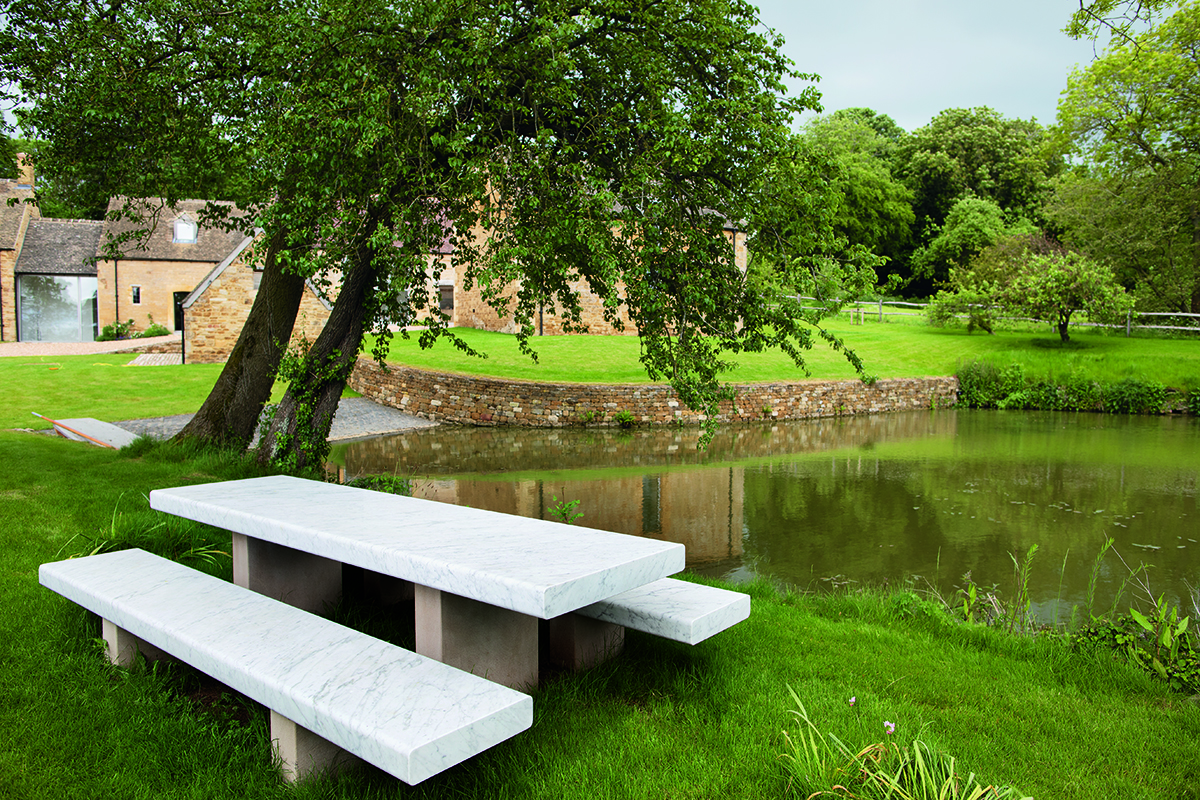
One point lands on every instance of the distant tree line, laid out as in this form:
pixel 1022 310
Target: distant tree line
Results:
pixel 977 206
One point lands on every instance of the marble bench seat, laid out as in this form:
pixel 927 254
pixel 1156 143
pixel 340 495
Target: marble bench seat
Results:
pixel 673 609
pixel 332 691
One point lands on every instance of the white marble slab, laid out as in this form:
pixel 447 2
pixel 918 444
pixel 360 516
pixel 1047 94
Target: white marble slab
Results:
pixel 685 612
pixel 536 567
pixel 86 429
pixel 404 713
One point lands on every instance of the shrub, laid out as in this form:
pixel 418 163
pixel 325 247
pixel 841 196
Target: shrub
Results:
pixel 390 484
pixel 1133 396
pixel 115 331
pixel 153 329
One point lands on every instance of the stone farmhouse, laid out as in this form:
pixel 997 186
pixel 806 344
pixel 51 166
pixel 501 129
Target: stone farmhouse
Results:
pixel 57 283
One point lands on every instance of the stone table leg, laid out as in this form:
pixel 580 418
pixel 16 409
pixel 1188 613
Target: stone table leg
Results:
pixel 577 642
pixel 308 582
pixel 485 640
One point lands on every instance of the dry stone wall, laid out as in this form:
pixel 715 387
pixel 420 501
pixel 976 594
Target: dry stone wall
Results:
pixel 446 397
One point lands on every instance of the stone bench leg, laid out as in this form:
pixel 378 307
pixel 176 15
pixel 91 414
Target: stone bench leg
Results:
pixel 303 753
pixel 308 582
pixel 577 642
pixel 488 641
pixel 123 646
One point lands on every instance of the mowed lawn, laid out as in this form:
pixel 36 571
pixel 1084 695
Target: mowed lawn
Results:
pixel 894 349
pixel 104 387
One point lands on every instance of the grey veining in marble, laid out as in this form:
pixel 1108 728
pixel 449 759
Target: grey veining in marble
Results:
pixel 685 612
pixel 407 714
pixel 536 567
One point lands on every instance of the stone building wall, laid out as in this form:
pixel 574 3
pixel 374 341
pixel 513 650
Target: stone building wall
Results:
pixel 158 281
pixel 213 322
pixel 471 311
pixel 14 221
pixel 446 397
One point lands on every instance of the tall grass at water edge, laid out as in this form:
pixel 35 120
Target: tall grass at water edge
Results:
pixel 663 719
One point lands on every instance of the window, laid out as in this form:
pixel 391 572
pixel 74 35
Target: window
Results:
pixel 185 231
pixel 137 295
pixel 447 297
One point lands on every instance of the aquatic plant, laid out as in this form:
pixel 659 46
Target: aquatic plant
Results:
pixel 820 764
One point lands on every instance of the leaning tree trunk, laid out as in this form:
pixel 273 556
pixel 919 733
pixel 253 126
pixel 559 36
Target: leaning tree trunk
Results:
pixel 230 414
pixel 298 437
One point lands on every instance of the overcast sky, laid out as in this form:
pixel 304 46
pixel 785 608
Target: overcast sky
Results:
pixel 910 59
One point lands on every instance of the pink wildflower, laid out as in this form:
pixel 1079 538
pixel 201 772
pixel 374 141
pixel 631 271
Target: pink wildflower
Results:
pixel 890 726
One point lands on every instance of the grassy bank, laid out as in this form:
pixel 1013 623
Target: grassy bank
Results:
pixel 662 720
pixel 102 386
pixel 889 350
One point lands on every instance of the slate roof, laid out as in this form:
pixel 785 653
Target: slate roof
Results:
pixel 211 244
pixel 60 247
pixel 10 216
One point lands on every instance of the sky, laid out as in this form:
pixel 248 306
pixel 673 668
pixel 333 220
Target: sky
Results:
pixel 910 59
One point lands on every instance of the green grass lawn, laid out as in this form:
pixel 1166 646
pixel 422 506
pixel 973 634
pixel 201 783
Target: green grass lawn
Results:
pixel 661 720
pixel 102 386
pixel 895 349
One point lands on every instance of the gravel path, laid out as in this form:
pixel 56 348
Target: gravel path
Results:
pixel 79 348
pixel 356 418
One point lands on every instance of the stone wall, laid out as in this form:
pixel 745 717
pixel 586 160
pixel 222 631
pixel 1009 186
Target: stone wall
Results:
pixel 17 219
pixel 212 324
pixel 472 311
pixel 445 397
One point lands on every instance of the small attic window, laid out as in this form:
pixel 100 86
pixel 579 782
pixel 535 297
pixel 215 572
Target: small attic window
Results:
pixel 185 231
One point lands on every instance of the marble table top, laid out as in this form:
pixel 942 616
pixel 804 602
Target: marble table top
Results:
pixel 531 566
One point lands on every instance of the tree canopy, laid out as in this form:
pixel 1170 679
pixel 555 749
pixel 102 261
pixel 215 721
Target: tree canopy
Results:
pixel 1133 118
pixel 554 142
pixel 873 209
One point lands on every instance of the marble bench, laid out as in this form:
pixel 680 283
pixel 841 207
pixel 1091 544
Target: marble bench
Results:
pixel 685 612
pixel 332 691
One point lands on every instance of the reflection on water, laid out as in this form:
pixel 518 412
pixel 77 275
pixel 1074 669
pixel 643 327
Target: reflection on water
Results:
pixel 869 499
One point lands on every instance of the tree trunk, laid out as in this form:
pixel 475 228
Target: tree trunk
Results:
pixel 299 432
pixel 230 414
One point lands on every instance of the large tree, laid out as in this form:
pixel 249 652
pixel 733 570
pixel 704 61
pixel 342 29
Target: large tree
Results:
pixel 1119 18
pixel 551 141
pixel 874 209
pixel 1133 116
pixel 977 153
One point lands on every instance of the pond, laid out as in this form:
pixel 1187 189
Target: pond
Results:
pixel 926 497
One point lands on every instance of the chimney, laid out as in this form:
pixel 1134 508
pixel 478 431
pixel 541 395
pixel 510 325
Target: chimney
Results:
pixel 24 170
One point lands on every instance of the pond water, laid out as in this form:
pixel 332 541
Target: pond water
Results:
pixel 880 500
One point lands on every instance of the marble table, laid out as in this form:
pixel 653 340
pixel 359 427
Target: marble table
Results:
pixel 481 579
